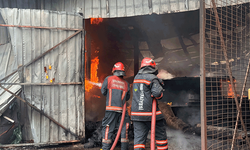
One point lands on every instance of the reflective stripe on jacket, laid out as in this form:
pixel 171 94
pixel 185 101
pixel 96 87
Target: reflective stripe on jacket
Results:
pixel 117 91
pixel 146 86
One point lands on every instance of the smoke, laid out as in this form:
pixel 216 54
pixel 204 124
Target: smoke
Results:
pixel 178 140
pixel 181 140
pixel 194 118
pixel 163 74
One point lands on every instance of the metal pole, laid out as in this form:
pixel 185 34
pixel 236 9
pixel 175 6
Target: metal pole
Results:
pixel 87 49
pixel 136 56
pixel 83 75
pixel 38 27
pixel 203 78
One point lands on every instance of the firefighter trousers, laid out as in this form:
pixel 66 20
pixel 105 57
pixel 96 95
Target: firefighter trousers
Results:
pixel 110 122
pixel 141 129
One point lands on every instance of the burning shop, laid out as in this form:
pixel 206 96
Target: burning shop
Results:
pixel 128 40
pixel 174 41
pixel 202 56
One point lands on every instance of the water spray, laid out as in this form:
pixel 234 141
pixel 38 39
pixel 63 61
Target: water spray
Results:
pixel 96 84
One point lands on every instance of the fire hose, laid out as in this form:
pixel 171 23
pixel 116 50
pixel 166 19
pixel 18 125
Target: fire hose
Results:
pixel 153 121
pixel 120 127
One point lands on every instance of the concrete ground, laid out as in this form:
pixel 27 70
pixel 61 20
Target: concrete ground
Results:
pixel 176 141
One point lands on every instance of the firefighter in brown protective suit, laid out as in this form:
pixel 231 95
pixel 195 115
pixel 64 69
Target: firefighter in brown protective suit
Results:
pixel 146 87
pixel 117 92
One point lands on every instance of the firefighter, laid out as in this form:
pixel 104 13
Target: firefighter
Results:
pixel 117 92
pixel 146 87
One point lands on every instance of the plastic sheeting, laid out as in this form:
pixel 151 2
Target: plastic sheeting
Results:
pixel 63 103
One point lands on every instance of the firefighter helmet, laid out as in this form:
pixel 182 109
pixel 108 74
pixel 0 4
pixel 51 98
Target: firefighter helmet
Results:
pixel 118 66
pixel 148 62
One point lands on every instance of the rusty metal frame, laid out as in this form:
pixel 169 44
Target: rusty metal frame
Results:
pixel 32 61
pixel 41 112
pixel 239 114
pixel 40 56
pixel 38 27
pixel 82 69
pixel 12 126
pixel 44 84
pixel 218 24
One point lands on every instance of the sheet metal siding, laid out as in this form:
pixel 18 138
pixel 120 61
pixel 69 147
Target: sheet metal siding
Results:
pixel 107 8
pixel 63 103
pixel 7 65
pixel 110 8
pixel 6 99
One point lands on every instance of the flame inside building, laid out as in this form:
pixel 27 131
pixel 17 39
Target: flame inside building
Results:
pixel 172 40
pixel 96 20
pixel 93 75
pixel 129 40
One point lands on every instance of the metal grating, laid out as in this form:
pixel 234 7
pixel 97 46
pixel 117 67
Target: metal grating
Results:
pixel 226 61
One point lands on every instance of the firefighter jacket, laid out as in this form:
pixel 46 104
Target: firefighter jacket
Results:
pixel 117 92
pixel 146 86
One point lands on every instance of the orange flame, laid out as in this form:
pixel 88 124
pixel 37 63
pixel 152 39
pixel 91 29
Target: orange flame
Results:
pixel 97 96
pixel 96 20
pixel 230 90
pixel 169 103
pixel 93 74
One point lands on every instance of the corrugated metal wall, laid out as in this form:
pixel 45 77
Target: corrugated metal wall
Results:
pixel 110 8
pixel 63 103
pixel 7 65
pixel 106 8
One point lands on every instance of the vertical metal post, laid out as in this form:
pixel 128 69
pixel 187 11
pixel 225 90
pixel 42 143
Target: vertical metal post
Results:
pixel 203 78
pixel 83 76
pixel 87 48
pixel 136 57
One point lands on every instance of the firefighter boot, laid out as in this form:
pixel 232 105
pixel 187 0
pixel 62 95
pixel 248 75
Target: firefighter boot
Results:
pixel 106 146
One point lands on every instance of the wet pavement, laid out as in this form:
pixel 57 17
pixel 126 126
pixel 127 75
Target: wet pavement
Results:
pixel 177 140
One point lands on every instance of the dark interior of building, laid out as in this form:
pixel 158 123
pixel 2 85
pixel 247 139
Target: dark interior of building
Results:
pixel 172 40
